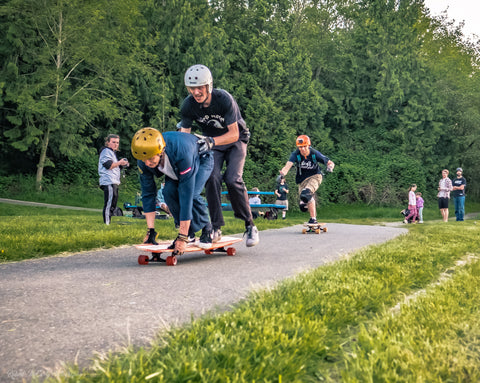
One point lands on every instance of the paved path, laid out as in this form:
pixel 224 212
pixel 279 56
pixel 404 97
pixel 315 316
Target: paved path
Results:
pixel 65 308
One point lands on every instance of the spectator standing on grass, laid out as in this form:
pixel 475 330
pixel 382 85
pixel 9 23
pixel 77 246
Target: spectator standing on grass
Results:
pixel 109 171
pixel 281 192
pixel 459 185
pixel 225 132
pixel 444 188
pixel 420 204
pixel 412 205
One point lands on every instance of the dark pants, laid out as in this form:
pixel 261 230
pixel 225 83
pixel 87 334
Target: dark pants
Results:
pixel 233 155
pixel 110 198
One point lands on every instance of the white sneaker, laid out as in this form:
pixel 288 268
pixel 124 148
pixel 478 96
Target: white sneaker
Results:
pixel 252 236
pixel 217 235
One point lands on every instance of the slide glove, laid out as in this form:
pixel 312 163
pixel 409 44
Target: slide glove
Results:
pixel 150 237
pixel 205 144
pixel 330 167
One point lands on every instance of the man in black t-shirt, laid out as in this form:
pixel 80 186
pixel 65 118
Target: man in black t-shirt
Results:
pixel 224 131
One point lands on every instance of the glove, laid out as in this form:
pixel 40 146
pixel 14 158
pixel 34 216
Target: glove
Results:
pixel 205 144
pixel 150 237
pixel 330 167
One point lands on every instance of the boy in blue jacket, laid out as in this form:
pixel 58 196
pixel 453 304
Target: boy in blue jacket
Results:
pixel 176 155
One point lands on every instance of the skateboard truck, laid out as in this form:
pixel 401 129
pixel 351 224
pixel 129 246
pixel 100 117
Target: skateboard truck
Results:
pixel 171 260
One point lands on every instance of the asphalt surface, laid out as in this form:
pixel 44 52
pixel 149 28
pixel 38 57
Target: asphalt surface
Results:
pixel 63 309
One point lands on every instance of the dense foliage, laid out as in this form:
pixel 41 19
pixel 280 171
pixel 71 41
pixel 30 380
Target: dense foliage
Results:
pixel 386 91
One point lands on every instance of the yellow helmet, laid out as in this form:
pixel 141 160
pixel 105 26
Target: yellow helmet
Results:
pixel 147 143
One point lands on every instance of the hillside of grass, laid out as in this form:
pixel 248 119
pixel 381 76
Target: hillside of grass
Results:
pixel 404 311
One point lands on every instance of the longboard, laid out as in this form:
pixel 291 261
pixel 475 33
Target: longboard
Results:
pixel 171 260
pixel 316 228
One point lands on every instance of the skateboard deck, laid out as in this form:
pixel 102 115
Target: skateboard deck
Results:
pixel 316 228
pixel 171 260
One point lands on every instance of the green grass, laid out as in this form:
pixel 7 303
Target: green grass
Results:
pixel 336 323
pixel 34 232
pixel 340 322
pixel 51 231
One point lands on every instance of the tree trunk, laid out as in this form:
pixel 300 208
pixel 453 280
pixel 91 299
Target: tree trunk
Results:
pixel 41 161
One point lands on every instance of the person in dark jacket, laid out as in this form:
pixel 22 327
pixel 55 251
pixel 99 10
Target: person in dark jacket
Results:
pixel 175 155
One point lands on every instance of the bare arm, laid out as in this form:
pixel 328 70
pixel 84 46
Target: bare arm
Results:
pixel 231 136
pixel 286 168
pixel 122 162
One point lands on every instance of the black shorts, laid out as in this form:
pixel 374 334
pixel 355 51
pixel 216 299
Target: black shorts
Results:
pixel 443 203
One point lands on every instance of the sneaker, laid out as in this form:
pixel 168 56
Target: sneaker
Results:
pixel 252 236
pixel 313 220
pixel 151 237
pixel 205 239
pixel 217 235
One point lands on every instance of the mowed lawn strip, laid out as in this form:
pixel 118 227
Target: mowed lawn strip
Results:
pixel 326 324
pixel 34 232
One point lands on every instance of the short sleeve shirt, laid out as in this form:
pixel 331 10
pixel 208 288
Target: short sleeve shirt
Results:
pixel 214 119
pixel 307 167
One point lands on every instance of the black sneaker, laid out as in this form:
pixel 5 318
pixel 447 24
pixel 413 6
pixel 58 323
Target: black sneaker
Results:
pixel 151 237
pixel 205 239
pixel 313 221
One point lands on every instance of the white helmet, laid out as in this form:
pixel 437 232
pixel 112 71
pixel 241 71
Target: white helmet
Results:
pixel 198 75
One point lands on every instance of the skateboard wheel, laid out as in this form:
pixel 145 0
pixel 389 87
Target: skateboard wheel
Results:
pixel 317 231
pixel 325 230
pixel 171 260
pixel 231 251
pixel 143 259
pixel 304 231
pixel 208 252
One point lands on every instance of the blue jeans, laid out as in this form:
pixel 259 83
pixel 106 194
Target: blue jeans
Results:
pixel 200 217
pixel 459 207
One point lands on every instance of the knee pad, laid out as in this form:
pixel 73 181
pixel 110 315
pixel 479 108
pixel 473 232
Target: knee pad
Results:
pixel 303 206
pixel 306 195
